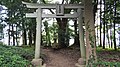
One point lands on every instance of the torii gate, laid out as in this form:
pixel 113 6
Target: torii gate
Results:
pixel 59 14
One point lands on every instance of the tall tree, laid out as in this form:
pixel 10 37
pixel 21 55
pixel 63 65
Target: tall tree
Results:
pixel 90 32
pixel 100 23
pixel 111 18
pixel 104 23
pixel 114 21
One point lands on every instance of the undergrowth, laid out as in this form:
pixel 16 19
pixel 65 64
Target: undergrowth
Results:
pixel 11 56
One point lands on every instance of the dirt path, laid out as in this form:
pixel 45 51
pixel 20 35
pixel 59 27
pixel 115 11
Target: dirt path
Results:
pixel 61 58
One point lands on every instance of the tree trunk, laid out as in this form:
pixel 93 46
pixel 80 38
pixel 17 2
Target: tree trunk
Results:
pixel 13 34
pixel 107 35
pixel 30 37
pixel 24 34
pixel 9 35
pixel 90 32
pixel 34 36
pixel 114 21
pixel 104 22
pixel 16 36
pixel 111 41
pixel 34 31
pixel 76 39
pixel 48 37
pixel 100 23
pixel 61 37
pixel 62 32
pixel 104 36
pixel 95 8
pixel 111 37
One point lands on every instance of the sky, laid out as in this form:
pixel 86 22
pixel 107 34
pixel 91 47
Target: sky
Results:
pixel 54 1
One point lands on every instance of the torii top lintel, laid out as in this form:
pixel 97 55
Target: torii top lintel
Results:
pixel 59 10
pixel 52 6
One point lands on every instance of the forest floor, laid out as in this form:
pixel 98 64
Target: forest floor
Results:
pixel 69 57
pixel 61 58
pixel 108 55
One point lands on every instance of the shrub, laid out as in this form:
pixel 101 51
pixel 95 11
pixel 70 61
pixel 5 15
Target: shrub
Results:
pixel 14 57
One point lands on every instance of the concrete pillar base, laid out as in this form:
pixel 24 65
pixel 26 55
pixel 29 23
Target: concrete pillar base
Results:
pixel 37 62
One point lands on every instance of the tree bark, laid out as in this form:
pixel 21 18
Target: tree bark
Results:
pixel 76 39
pixel 104 22
pixel 24 34
pixel 9 35
pixel 111 41
pixel 114 21
pixel 90 32
pixel 34 36
pixel 107 34
pixel 13 34
pixel 34 31
pixel 62 32
pixel 100 23
pixel 30 37
pixel 16 36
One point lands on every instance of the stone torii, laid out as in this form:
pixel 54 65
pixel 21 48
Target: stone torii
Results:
pixel 59 14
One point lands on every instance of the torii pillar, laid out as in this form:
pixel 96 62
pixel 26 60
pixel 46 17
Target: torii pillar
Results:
pixel 37 61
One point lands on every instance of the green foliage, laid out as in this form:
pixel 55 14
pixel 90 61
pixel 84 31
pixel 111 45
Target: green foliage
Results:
pixel 47 31
pixel 105 64
pixel 14 56
pixel 50 33
pixel 106 58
